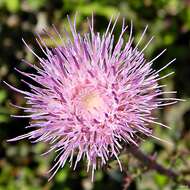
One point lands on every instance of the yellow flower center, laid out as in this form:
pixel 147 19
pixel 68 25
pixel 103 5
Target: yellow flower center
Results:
pixel 93 102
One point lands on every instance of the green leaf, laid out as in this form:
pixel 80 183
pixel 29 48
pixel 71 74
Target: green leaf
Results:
pixel 12 5
pixel 61 175
pixel 160 180
pixel 3 95
pixel 97 8
pixel 2 3
pixel 168 39
pixel 4 118
pixel 36 4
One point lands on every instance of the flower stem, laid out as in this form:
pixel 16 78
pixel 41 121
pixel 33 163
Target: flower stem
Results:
pixel 152 164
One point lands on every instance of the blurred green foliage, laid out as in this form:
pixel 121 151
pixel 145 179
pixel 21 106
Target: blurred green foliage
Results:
pixel 21 166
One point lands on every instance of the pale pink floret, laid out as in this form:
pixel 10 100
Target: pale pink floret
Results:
pixel 93 96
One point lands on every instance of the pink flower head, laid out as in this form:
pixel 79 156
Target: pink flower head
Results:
pixel 93 95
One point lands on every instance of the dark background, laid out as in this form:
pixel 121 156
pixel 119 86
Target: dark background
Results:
pixel 21 166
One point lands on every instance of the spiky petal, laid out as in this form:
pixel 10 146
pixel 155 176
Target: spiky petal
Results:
pixel 93 95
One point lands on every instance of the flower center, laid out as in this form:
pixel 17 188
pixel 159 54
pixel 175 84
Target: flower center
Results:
pixel 93 102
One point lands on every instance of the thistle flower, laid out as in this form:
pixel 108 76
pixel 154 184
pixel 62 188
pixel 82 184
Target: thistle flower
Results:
pixel 94 95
